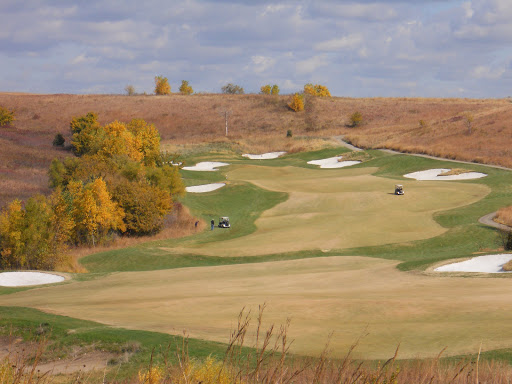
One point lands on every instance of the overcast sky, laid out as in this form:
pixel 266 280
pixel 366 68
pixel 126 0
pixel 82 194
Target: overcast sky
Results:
pixel 443 48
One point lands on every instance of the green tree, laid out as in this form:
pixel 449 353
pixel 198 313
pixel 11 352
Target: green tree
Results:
pixel 6 116
pixel 162 86
pixel 232 89
pixel 56 173
pixel 186 89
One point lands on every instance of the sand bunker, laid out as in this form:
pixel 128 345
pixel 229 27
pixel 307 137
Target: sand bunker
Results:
pixel 487 264
pixel 433 174
pixel 206 166
pixel 264 156
pixel 204 188
pixel 20 279
pixel 333 162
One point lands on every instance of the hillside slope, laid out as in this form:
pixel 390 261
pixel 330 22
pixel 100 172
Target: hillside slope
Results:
pixel 26 147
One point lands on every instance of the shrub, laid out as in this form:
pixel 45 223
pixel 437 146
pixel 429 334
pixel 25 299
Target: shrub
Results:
pixel 232 89
pixel 58 140
pixel 423 124
pixel 275 90
pixel 186 89
pixel 162 86
pixel 297 102
pixel 130 90
pixel 266 89
pixel 356 119
pixel 6 116
pixel 289 133
pixel 316 90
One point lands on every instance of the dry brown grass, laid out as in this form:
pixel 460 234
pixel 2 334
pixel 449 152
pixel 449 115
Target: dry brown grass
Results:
pixel 455 171
pixel 504 216
pixel 258 122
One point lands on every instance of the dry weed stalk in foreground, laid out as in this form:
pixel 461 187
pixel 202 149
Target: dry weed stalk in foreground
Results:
pixel 269 361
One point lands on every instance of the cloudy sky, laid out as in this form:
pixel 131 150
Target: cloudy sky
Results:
pixel 441 48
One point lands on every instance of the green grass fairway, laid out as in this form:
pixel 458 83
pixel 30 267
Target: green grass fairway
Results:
pixel 319 246
pixel 342 294
pixel 341 208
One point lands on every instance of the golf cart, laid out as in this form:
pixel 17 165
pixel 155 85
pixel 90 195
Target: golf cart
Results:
pixel 399 189
pixel 224 222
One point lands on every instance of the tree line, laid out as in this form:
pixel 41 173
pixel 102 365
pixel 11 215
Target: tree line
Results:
pixel 118 183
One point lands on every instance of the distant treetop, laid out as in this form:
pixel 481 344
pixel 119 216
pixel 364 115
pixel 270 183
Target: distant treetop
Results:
pixel 233 89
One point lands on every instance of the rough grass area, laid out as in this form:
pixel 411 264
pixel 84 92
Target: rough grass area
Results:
pixel 504 216
pixel 257 124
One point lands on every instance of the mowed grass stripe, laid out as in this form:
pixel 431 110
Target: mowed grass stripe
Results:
pixel 346 295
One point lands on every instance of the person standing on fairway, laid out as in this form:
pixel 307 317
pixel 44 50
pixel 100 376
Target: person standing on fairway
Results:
pixel 213 224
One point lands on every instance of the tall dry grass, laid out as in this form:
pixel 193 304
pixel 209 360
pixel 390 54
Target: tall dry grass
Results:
pixel 267 362
pixel 504 216
pixel 259 122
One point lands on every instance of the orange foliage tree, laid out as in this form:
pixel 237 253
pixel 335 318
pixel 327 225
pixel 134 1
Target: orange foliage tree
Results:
pixel 297 102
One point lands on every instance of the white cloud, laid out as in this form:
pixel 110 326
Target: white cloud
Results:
pixel 261 63
pixel 312 64
pixel 346 42
pixel 486 72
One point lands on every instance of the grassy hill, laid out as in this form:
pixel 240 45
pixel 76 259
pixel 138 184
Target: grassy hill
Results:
pixel 256 121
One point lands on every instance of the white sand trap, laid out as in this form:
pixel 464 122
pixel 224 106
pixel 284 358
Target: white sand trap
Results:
pixel 433 174
pixel 333 162
pixel 264 156
pixel 487 264
pixel 20 279
pixel 206 166
pixel 204 188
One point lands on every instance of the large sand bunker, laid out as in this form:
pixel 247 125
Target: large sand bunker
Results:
pixel 434 174
pixel 204 188
pixel 333 162
pixel 486 264
pixel 264 156
pixel 207 166
pixel 20 279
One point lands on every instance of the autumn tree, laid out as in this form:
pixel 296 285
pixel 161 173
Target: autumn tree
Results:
pixel 147 140
pixel 186 89
pixel 265 89
pixel 317 90
pixel 274 90
pixel 356 119
pixel 93 211
pixel 232 89
pixel 6 116
pixel 130 90
pixel 162 86
pixel 11 240
pixel 87 133
pixel 297 102
pixel 144 205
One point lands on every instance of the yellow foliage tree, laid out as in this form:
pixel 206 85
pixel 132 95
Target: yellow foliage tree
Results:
pixel 266 89
pixel 118 140
pixel 297 102
pixel 186 89
pixel 11 241
pixel 147 139
pixel 316 90
pixel 93 211
pixel 162 86
pixel 274 90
